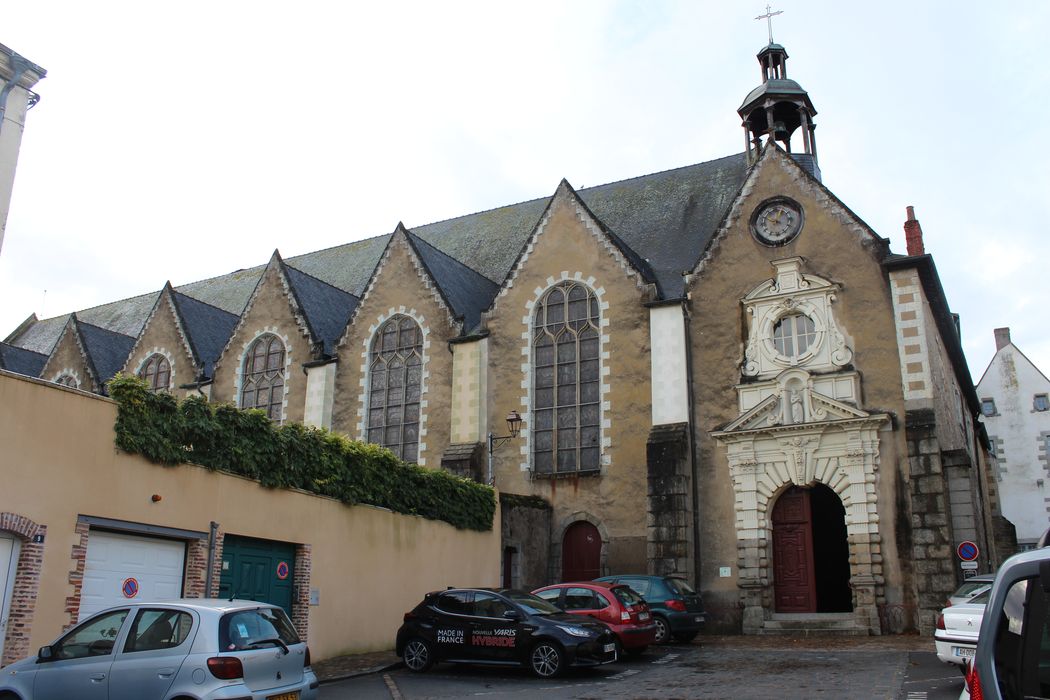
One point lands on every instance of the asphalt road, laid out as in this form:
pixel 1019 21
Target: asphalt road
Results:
pixel 685 672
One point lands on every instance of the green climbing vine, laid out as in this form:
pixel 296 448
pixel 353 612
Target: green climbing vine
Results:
pixel 245 442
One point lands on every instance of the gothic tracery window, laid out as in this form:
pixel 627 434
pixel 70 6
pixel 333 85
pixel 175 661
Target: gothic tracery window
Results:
pixel 68 380
pixel 566 381
pixel 157 372
pixel 395 371
pixel 262 376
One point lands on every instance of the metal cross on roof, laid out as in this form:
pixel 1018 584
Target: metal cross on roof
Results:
pixel 769 19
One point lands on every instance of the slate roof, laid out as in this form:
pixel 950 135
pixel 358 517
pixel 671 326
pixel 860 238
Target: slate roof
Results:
pixel 207 327
pixel 107 351
pixel 327 308
pixel 663 221
pixel 466 291
pixel 16 359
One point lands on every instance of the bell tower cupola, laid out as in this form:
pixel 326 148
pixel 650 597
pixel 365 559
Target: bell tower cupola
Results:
pixel 779 108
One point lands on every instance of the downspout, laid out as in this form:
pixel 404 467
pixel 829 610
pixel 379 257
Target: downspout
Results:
pixel 691 429
pixel 213 533
pixel 19 66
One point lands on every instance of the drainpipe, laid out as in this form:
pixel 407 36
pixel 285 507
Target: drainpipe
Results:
pixel 213 534
pixel 694 467
pixel 19 66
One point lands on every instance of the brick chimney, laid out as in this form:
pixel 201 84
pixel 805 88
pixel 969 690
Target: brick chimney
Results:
pixel 1002 338
pixel 913 234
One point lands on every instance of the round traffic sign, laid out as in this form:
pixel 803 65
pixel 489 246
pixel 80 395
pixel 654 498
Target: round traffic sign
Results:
pixel 130 587
pixel 968 551
pixel 282 570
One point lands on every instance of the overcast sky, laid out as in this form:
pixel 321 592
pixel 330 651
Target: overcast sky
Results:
pixel 179 141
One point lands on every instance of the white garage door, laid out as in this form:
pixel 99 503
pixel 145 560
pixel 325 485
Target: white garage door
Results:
pixel 123 568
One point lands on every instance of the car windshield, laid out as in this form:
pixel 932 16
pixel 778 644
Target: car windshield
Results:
pixel 248 629
pixel 533 605
pixel 626 596
pixel 680 586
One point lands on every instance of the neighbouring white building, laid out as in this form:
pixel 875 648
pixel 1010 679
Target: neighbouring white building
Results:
pixel 17 78
pixel 1015 408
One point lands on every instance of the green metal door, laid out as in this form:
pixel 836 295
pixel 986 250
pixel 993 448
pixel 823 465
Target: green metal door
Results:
pixel 260 570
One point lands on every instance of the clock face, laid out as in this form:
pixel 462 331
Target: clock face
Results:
pixel 777 221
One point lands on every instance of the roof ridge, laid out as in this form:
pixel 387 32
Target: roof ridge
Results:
pixel 582 189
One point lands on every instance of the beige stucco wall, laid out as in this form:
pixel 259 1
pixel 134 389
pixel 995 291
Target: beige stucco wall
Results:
pixel 370 565
pixel 566 247
pixel 270 312
pixel 399 287
pixel 161 335
pixel 834 248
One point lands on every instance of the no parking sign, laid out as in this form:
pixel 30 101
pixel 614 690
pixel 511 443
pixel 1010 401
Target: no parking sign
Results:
pixel 968 550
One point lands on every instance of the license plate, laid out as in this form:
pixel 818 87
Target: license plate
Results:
pixel 643 616
pixel 965 652
pixel 609 647
pixel 294 695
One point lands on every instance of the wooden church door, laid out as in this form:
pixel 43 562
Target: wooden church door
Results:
pixel 794 582
pixel 581 553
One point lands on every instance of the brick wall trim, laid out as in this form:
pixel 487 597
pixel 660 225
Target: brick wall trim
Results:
pixel 27 583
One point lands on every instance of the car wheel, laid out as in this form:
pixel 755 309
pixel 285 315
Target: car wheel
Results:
pixel 546 660
pixel 663 630
pixel 685 637
pixel 417 655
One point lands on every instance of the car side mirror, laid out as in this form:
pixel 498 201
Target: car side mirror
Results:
pixel 45 654
pixel 511 615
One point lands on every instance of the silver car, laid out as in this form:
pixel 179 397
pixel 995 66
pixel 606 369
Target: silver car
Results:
pixel 188 649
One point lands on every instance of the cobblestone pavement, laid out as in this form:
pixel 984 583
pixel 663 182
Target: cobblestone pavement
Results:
pixel 735 650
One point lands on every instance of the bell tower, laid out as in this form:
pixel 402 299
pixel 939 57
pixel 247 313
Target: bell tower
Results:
pixel 779 109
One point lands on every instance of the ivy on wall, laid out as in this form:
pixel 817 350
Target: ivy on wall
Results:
pixel 245 442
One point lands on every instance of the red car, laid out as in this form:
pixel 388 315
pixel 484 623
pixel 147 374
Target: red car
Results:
pixel 615 604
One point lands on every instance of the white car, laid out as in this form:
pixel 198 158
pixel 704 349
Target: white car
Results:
pixel 971 587
pixel 190 648
pixel 957 629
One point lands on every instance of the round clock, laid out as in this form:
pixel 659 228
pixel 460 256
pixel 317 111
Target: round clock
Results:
pixel 777 221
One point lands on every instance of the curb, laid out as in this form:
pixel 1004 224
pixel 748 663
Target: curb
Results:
pixel 362 672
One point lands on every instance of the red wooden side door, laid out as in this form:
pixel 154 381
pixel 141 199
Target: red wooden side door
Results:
pixel 581 553
pixel 794 583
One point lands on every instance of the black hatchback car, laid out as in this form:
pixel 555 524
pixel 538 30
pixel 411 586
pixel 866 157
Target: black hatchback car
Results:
pixel 500 627
pixel 677 609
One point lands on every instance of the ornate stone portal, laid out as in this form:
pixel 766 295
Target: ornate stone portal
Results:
pixel 798 428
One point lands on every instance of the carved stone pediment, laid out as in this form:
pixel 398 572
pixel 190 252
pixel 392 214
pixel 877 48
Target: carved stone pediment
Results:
pixel 793 401
pixel 793 294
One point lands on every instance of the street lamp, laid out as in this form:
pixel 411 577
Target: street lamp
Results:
pixel 497 441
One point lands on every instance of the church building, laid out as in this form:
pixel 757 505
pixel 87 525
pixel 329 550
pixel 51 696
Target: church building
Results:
pixel 717 371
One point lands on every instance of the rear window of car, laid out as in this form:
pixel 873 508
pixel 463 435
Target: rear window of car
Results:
pixel 679 586
pixel 981 597
pixel 638 585
pixel 456 602
pixel 970 587
pixel 247 629
pixel 626 596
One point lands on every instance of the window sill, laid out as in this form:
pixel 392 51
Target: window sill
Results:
pixel 567 475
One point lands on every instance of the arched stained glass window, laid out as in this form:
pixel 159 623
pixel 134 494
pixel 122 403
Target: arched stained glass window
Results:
pixel 157 372
pixel 395 372
pixel 262 376
pixel 566 381
pixel 68 380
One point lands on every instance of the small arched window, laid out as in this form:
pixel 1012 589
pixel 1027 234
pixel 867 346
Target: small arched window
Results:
pixel 262 376
pixel 566 381
pixel 157 372
pixel 68 380
pixel 793 335
pixel 395 371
